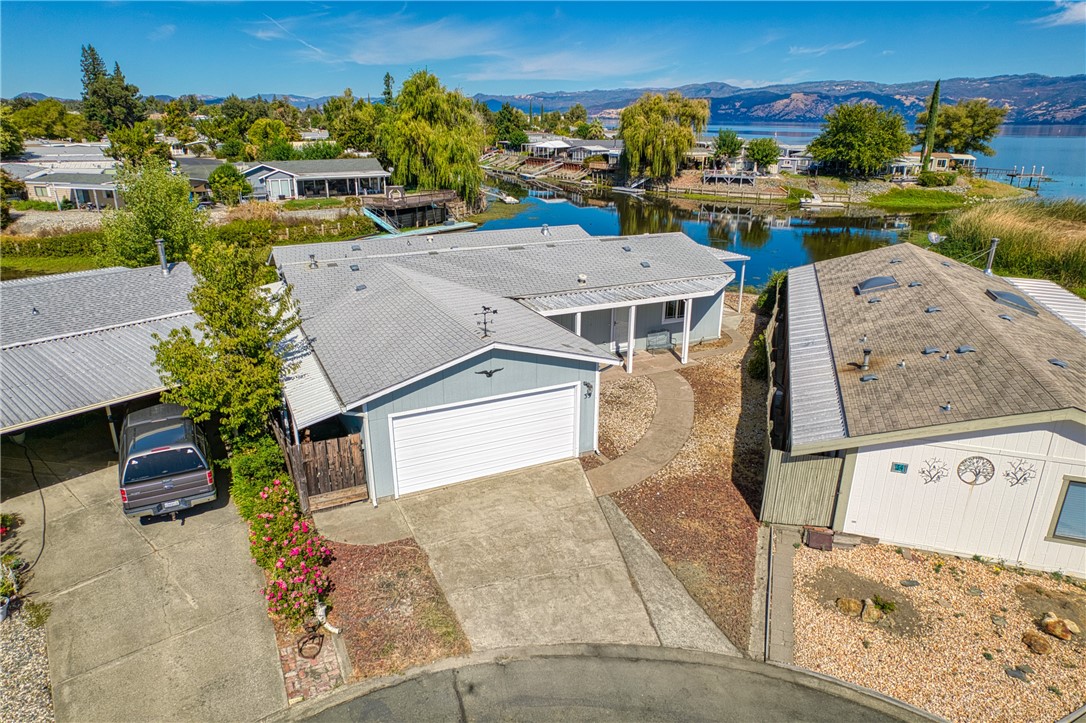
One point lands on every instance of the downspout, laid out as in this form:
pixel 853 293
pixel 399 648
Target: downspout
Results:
pixel 366 455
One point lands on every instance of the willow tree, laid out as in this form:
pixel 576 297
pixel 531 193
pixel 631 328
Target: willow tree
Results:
pixel 433 139
pixel 658 130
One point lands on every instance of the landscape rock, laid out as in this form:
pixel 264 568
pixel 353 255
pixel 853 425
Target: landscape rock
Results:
pixel 850 606
pixel 1024 668
pixel 871 613
pixel 1055 627
pixel 1016 674
pixel 1074 628
pixel 974 591
pixel 910 583
pixel 1039 644
pixel 999 621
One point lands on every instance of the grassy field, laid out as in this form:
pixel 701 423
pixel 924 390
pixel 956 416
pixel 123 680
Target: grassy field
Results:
pixel 497 210
pixel 302 204
pixel 984 188
pixel 17 267
pixel 1041 239
pixel 917 200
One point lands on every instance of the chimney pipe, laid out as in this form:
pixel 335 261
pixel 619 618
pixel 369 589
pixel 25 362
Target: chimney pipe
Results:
pixel 991 256
pixel 161 246
pixel 867 360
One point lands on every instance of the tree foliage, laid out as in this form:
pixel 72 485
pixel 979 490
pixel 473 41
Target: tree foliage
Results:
pixel 137 145
pixel 357 127
pixel 228 184
pixel 49 118
pixel 231 365
pixel 763 152
pixel 11 140
pixel 576 114
pixel 861 138
pixel 157 204
pixel 109 101
pixel 928 136
pixel 318 151
pixel 433 139
pixel 509 125
pixel 658 131
pixel 967 127
pixel 590 131
pixel 727 145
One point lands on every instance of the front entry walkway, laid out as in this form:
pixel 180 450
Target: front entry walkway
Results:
pixel 526 558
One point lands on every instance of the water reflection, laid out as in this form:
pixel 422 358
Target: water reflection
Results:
pixel 774 237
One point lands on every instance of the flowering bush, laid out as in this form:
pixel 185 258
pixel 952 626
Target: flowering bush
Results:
pixel 288 547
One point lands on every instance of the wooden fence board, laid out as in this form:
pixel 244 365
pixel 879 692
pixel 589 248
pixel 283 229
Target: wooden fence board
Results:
pixel 326 467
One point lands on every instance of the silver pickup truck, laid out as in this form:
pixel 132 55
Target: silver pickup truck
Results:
pixel 164 466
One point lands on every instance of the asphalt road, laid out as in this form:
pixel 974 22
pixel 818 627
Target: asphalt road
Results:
pixel 613 687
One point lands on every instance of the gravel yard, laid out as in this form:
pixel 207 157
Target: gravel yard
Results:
pixel 699 511
pixel 51 223
pixel 25 693
pixel 626 409
pixel 962 633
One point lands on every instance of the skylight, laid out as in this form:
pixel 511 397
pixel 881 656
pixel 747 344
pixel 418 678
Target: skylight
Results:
pixel 1012 300
pixel 1059 363
pixel 355 247
pixel 876 283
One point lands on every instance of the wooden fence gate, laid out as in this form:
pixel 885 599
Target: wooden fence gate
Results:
pixel 327 473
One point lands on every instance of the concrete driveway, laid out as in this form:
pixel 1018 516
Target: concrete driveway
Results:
pixel 150 622
pixel 527 558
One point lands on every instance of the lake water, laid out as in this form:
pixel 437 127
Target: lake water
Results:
pixel 773 241
pixel 1060 149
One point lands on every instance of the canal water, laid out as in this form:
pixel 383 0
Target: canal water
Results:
pixel 774 241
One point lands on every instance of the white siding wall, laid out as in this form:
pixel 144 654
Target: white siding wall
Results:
pixel 996 519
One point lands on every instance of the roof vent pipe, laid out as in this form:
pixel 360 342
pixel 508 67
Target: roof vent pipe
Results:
pixel 161 246
pixel 867 360
pixel 312 261
pixel 582 279
pixel 991 257
pixel 546 230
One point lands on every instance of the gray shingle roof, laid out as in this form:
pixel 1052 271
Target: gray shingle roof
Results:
pixel 335 166
pixel 382 246
pixel 1008 374
pixel 78 180
pixel 74 304
pixel 21 170
pixel 405 323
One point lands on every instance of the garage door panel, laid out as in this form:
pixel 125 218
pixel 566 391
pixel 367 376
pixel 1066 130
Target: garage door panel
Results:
pixel 440 447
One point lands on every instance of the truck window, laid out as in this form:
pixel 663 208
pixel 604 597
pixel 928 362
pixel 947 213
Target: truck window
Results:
pixel 163 464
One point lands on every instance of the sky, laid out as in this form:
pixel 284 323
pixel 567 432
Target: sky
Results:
pixel 511 47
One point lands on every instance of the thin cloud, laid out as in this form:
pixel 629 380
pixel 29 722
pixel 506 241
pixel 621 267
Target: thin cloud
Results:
pixel 1067 13
pixel 405 41
pixel 758 43
pixel 821 50
pixel 162 32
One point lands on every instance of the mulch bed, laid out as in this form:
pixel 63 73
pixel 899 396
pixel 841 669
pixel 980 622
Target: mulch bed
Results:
pixel 700 511
pixel 390 610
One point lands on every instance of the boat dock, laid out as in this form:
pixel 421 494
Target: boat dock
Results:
pixel 1014 176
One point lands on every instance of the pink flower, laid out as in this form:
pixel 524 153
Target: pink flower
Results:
pixel 294 552
pixel 279 563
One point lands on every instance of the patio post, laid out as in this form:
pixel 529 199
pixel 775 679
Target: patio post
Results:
pixel 742 281
pixel 577 323
pixel 630 339
pixel 686 329
pixel 56 197
pixel 327 194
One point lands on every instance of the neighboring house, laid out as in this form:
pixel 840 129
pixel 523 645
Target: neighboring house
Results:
pixel 909 164
pixel 922 402
pixel 68 155
pixel 279 180
pixel 197 171
pixel 74 343
pixel 81 187
pixel 464 355
pixel 794 159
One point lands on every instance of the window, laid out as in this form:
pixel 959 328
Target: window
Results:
pixel 41 191
pixel 673 311
pixel 1069 523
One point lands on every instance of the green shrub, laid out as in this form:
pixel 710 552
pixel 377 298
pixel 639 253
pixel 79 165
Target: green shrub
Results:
pixel 252 471
pixel 37 613
pixel 886 606
pixel 758 364
pixel 79 243
pixel 932 179
pixel 33 205
pixel 768 297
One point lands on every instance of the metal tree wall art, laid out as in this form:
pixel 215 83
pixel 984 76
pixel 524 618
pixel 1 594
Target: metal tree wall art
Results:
pixel 976 470
pixel 934 470
pixel 1019 472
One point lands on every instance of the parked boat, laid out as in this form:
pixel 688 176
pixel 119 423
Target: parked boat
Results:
pixel 817 201
pixel 628 190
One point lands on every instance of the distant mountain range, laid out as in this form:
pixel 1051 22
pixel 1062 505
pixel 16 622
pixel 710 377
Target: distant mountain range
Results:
pixel 1030 99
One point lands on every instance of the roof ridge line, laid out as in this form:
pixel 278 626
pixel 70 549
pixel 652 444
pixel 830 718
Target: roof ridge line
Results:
pixel 580 289
pixel 435 301
pixel 84 332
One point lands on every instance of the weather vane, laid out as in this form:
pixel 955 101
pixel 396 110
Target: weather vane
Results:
pixel 485 313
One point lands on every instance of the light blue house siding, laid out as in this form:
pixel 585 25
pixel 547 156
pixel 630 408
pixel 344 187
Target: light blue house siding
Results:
pixel 520 371
pixel 704 323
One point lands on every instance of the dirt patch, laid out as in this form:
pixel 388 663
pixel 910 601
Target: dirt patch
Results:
pixel 1067 604
pixel 392 613
pixel 832 583
pixel 591 461
pixel 697 511
pixel 627 406
pixel 955 662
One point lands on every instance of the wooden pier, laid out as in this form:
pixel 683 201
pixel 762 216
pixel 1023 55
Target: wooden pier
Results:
pixel 1015 176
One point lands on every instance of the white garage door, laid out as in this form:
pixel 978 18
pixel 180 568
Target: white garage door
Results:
pixel 439 447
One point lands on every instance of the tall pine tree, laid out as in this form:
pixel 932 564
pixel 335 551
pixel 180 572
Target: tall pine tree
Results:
pixel 929 130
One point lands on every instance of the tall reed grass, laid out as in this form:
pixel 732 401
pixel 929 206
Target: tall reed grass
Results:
pixel 1037 238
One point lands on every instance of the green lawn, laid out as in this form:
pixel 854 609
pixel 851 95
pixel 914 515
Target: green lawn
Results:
pixel 301 204
pixel 916 200
pixel 496 210
pixel 17 267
